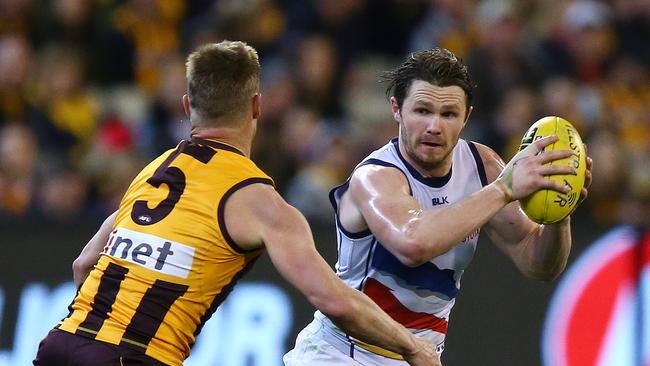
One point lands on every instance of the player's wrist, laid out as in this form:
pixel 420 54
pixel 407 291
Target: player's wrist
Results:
pixel 412 347
pixel 424 352
pixel 564 221
pixel 501 185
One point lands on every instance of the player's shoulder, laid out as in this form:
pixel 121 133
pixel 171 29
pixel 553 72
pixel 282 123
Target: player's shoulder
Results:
pixel 257 198
pixel 492 161
pixel 485 151
pixel 378 178
pixel 255 210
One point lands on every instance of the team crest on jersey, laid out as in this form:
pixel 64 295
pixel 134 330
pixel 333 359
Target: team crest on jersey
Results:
pixel 151 251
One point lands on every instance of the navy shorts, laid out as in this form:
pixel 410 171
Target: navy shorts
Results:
pixel 61 348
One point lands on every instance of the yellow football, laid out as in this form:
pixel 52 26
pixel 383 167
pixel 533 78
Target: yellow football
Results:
pixel 546 206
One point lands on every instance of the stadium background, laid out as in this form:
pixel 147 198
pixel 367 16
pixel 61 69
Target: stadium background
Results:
pixel 90 91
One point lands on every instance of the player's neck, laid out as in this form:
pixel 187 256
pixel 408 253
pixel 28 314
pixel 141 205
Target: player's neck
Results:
pixel 229 136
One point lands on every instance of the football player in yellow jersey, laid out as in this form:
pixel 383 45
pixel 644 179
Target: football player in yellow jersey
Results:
pixel 189 226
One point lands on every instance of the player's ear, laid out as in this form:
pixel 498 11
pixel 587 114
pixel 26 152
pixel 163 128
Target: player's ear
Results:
pixel 186 105
pixel 257 105
pixel 469 111
pixel 394 106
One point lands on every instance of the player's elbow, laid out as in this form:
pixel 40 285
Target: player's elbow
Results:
pixel 340 308
pixel 414 252
pixel 414 248
pixel 77 266
pixel 544 275
pixel 81 267
pixel 545 271
pixel 339 302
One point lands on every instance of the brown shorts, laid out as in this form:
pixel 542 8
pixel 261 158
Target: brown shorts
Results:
pixel 61 348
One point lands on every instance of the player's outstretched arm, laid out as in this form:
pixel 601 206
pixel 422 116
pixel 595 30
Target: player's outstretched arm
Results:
pixel 256 215
pixel 89 256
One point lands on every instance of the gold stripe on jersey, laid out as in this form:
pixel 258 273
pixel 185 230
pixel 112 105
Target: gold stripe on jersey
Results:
pixel 169 262
pixel 377 350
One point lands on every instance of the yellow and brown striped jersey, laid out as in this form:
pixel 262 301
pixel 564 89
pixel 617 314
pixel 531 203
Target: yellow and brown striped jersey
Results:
pixel 169 261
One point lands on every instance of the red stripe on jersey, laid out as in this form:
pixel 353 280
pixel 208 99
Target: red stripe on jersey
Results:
pixel 383 296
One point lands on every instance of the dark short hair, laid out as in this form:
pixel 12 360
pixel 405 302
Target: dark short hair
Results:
pixel 437 66
pixel 222 77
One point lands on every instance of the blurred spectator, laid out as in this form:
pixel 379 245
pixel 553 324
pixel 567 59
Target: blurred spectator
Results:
pixel 166 123
pixel 501 61
pixel 583 43
pixel 514 114
pixel 65 21
pixel 316 74
pixel 607 188
pixel 328 166
pixel 342 21
pixel 271 148
pixel 16 17
pixel 632 27
pixel 388 24
pixel 90 26
pixel 110 173
pixel 113 158
pixel 626 99
pixel 258 22
pixel 66 113
pixel 62 195
pixel 448 24
pixel 154 28
pixel 366 105
pixel 288 146
pixel 18 157
pixel 200 27
pixel 560 97
pixel 15 67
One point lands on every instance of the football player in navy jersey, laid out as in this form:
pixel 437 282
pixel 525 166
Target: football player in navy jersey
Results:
pixel 409 216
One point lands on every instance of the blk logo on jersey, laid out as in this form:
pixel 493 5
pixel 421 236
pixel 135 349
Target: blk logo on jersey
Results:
pixel 151 251
pixel 439 200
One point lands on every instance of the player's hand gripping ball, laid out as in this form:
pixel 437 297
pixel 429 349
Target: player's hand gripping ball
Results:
pixel 546 206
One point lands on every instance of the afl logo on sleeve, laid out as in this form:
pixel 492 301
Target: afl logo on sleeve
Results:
pixel 151 251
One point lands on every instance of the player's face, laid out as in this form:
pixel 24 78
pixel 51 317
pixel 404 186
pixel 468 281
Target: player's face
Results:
pixel 430 122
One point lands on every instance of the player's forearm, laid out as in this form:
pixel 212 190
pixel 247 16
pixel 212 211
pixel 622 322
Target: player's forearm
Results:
pixel 546 251
pixel 436 231
pixel 364 320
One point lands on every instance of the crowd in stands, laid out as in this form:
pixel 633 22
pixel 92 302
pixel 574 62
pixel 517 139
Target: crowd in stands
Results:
pixel 90 90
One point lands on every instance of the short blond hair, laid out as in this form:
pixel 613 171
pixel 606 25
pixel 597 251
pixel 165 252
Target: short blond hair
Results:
pixel 221 78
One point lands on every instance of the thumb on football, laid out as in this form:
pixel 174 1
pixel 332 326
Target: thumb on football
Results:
pixel 530 150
